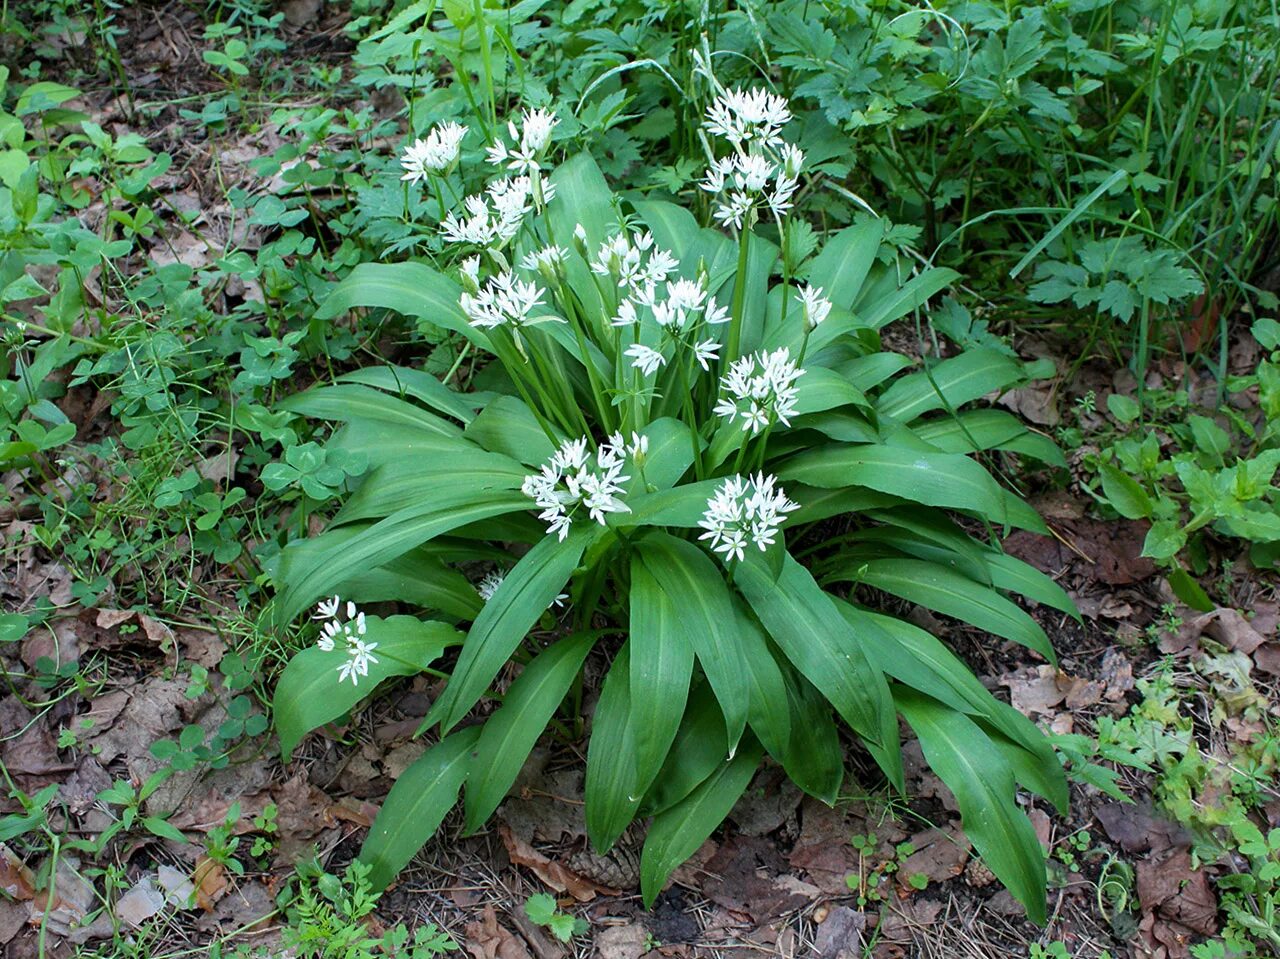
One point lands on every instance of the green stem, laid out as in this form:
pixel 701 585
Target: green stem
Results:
pixel 739 295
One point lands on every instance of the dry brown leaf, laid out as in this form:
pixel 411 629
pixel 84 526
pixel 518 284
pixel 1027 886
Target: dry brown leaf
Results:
pixel 1177 902
pixel 555 875
pixel 940 854
pixel 487 939
pixel 16 880
pixel 210 879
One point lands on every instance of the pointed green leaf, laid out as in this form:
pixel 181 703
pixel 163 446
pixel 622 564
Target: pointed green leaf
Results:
pixel 953 382
pixel 976 772
pixel 804 622
pixel 944 591
pixel 609 792
pixel 309 695
pixel 416 805
pixel 511 732
pixel 676 834
pixel 696 586
pixel 661 671
pixel 934 479
pixel 523 596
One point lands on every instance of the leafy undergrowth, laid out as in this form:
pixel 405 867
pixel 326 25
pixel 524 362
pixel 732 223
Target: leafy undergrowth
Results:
pixel 171 225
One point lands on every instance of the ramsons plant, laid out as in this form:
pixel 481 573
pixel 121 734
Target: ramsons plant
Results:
pixel 678 449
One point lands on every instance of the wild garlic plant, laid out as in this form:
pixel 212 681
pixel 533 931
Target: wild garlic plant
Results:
pixel 687 458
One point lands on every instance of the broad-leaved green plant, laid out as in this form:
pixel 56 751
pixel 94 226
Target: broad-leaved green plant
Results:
pixel 685 454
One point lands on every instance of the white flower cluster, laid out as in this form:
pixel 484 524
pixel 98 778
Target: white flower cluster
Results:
pixel 574 477
pixel 815 306
pixel 489 584
pixel 744 511
pixel 493 218
pixel 749 116
pixel 435 154
pixel 743 182
pixel 633 262
pixel 350 634
pixel 532 137
pixel 761 389
pixel 504 300
pixel 761 170
pixel 681 308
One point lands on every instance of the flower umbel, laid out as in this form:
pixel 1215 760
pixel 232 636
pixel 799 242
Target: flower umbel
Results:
pixel 742 512
pixel 503 300
pixel 816 306
pixel 748 116
pixel 492 580
pixel 760 389
pixel 532 137
pixel 349 635
pixel 573 478
pixel 435 154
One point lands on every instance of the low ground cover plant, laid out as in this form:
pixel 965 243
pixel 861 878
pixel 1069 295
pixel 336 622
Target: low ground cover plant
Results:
pixel 684 450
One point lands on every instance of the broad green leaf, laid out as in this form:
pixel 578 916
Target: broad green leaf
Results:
pixel 676 833
pixel 818 390
pixel 1013 575
pixel 383 443
pixel 975 430
pixel 944 591
pixel 696 586
pixel 1037 769
pixel 846 259
pixel 804 622
pixel 918 660
pixel 682 506
pixel 424 387
pixel 507 617
pixel 661 671
pixel 910 296
pixel 868 372
pixel 401 484
pixel 814 757
pixel 412 289
pixel 1123 492
pixel 817 504
pixel 1189 591
pixel 506 426
pixel 670 453
pixel 934 479
pixel 768 712
pixel 954 382
pixel 420 580
pixel 1164 540
pixel 609 792
pixel 309 694
pixel 306 576
pixel 510 733
pixel 976 772
pixel 416 805
pixel 352 401
pixel 698 750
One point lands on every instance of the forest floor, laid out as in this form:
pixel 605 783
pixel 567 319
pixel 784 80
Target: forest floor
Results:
pixel 879 875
